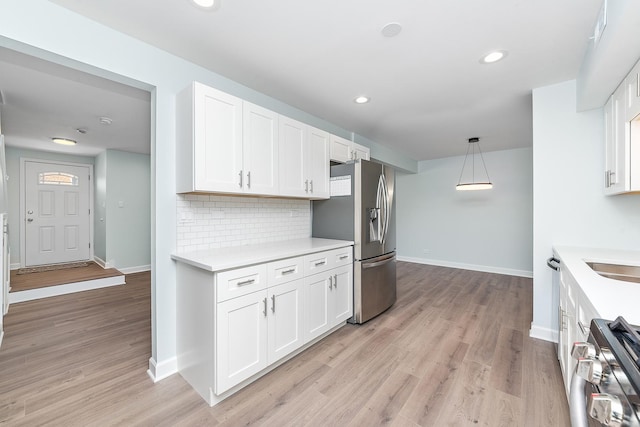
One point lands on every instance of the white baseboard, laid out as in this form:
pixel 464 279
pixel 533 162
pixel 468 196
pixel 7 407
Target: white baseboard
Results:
pixel 52 291
pixel 137 269
pixel 14 266
pixel 473 267
pixel 160 371
pixel 1 336
pixel 541 333
pixel 102 263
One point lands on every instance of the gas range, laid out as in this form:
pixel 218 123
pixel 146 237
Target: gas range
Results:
pixel 606 385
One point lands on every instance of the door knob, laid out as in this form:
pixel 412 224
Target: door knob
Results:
pixel 29 219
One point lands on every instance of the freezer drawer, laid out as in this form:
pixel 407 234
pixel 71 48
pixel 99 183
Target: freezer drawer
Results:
pixel 374 287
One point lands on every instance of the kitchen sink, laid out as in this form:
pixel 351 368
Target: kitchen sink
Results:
pixel 628 273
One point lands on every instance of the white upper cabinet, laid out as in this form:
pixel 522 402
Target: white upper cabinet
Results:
pixel 622 143
pixel 633 93
pixel 318 163
pixel 209 140
pixel 260 150
pixel 227 145
pixel 304 160
pixel 343 150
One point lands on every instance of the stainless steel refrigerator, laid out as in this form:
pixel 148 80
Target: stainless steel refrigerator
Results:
pixel 362 209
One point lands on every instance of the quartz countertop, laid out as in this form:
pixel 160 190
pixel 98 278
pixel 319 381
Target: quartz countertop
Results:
pixel 611 298
pixel 239 256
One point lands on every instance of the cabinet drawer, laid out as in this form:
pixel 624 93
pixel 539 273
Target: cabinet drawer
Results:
pixel 241 281
pixel 284 270
pixel 342 256
pixel 318 262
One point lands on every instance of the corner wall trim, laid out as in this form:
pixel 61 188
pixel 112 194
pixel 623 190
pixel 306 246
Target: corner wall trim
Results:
pixel 473 267
pixel 102 263
pixel 136 269
pixel 159 371
pixel 543 333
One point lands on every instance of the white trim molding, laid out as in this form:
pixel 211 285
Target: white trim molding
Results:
pixel 52 291
pixel 160 371
pixel 541 333
pixel 102 263
pixel 473 267
pixel 136 269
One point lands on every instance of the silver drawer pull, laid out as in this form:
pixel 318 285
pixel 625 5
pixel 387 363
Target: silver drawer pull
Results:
pixel 246 282
pixel 289 271
pixel 344 257
pixel 583 328
pixel 318 264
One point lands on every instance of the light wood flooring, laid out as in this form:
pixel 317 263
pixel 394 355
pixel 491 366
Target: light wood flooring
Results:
pixel 453 350
pixel 24 282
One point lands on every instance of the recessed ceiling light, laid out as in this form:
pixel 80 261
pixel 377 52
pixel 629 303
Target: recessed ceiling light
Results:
pixel 494 56
pixel 392 29
pixel 206 4
pixel 362 99
pixel 63 141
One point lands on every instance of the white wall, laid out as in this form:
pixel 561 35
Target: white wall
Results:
pixel 569 205
pixel 486 230
pixel 128 211
pixel 100 207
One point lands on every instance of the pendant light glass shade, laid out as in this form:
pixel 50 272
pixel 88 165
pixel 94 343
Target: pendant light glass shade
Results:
pixel 474 185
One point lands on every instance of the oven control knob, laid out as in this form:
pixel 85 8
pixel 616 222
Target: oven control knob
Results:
pixel 606 408
pixel 589 369
pixel 583 349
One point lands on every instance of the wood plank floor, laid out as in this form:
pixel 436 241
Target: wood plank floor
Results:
pixel 23 282
pixel 453 350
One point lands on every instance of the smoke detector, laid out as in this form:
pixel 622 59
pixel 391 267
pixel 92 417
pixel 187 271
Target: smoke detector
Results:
pixel 105 121
pixel 392 29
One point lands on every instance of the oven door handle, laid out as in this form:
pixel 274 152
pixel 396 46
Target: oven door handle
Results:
pixel 578 402
pixel 553 263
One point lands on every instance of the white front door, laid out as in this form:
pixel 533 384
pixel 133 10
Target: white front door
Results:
pixel 56 214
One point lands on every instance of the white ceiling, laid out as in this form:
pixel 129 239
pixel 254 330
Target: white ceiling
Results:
pixel 429 91
pixel 42 100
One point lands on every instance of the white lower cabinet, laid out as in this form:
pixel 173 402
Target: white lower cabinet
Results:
pixel 235 324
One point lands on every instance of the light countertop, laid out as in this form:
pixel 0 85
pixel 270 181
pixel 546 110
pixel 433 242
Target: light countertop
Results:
pixel 239 256
pixel 611 298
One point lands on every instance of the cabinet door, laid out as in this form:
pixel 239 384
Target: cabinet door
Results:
pixel 360 152
pixel 341 294
pixel 217 140
pixel 316 305
pixel 260 150
pixel 633 93
pixel 293 153
pixel 340 149
pixel 285 319
pixel 318 164
pixel 616 143
pixel 241 339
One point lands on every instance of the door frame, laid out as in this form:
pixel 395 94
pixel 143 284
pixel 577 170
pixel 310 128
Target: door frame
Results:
pixel 23 237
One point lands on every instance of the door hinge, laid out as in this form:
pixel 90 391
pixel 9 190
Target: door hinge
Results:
pixel 89 211
pixel 89 245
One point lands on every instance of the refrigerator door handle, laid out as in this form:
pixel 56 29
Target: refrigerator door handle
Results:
pixel 378 263
pixel 385 208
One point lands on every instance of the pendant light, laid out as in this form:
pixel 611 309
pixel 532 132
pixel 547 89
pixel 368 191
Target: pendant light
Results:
pixel 474 185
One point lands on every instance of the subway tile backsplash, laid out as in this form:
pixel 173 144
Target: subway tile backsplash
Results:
pixel 212 221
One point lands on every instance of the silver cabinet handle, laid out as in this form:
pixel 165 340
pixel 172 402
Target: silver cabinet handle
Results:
pixel 249 179
pixel 265 307
pixel 330 282
pixel 246 282
pixel 320 263
pixel 289 271
pixel 273 303
pixel 306 185
pixel 583 328
pixel 311 186
pixel 344 257
pixel 240 175
pixel 335 280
